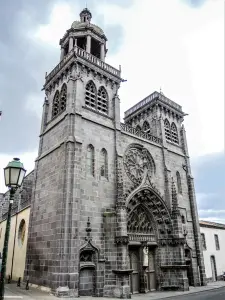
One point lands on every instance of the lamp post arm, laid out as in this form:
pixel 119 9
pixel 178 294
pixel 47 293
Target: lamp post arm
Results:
pixel 6 242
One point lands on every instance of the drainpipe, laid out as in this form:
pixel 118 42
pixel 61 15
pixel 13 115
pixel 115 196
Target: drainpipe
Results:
pixel 14 243
pixel 14 246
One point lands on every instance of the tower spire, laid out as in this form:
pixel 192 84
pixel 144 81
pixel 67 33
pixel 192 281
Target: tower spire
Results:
pixel 85 15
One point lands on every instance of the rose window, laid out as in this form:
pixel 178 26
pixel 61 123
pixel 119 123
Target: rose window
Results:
pixel 136 161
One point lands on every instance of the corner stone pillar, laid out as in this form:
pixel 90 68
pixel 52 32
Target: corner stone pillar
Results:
pixel 196 229
pixel 194 212
pixel 122 240
pixel 62 53
pixel 102 52
pixel 70 43
pixel 88 45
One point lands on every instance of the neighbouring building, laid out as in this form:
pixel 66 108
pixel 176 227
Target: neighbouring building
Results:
pixel 113 209
pixel 19 227
pixel 213 245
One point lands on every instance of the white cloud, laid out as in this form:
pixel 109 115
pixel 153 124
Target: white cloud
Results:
pixel 61 19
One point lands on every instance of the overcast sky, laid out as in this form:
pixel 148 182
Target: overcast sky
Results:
pixel 177 45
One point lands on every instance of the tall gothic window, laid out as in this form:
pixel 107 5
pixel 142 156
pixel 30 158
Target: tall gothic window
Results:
pixel 167 130
pixel 203 241
pixel 217 241
pixel 146 127
pixel 63 98
pixel 102 101
pixel 90 95
pixel 59 101
pixel 174 134
pixel 103 163
pixel 179 184
pixel 55 105
pixel 90 160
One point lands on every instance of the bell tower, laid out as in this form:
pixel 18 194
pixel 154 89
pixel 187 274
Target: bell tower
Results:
pixel 72 177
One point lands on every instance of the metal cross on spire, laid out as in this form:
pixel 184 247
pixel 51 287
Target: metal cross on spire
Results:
pixel 161 91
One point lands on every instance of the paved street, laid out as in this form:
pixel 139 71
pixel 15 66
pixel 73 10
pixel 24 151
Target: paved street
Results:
pixel 213 291
pixel 216 294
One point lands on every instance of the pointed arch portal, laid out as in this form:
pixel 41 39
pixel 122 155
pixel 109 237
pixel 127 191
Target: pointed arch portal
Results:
pixel 148 216
pixel 148 223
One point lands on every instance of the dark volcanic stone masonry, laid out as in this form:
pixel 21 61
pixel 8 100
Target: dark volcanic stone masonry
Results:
pixel 113 208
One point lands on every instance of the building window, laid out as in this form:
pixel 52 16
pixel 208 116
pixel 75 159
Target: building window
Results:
pixel 167 130
pixel 146 127
pixel 63 98
pixel 90 160
pixel 174 134
pixel 22 232
pixel 203 241
pixel 217 241
pixel 59 101
pixel 103 163
pixel 55 105
pixel 90 95
pixel 179 184
pixel 102 102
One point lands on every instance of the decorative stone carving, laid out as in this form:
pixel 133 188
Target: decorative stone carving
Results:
pixel 136 160
pixel 119 180
pixel 138 222
pixel 124 240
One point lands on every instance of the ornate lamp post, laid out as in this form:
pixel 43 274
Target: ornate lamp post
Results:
pixel 14 175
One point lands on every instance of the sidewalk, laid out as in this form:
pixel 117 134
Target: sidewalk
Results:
pixel 14 292
pixel 163 295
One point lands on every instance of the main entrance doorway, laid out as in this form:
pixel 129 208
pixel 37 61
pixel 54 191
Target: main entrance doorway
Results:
pixel 142 262
pixel 135 266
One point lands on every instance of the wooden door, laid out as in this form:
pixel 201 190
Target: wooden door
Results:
pixel 151 277
pixel 135 276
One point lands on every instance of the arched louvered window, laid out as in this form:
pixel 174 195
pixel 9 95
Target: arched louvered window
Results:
pixel 90 163
pixel 146 127
pixel 174 133
pixel 103 163
pixel 90 95
pixel 167 130
pixel 102 101
pixel 179 183
pixel 138 128
pixel 55 105
pixel 63 98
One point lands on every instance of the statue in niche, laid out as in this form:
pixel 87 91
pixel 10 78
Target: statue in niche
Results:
pixel 145 257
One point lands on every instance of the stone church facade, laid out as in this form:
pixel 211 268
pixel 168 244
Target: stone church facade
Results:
pixel 113 209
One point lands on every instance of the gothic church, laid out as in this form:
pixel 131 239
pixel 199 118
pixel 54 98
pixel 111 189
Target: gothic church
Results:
pixel 113 208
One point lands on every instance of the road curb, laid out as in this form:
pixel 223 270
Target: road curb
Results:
pixel 171 297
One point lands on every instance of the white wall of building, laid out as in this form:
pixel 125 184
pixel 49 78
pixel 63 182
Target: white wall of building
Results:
pixel 211 250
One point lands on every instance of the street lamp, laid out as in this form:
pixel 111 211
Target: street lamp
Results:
pixel 14 175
